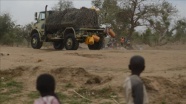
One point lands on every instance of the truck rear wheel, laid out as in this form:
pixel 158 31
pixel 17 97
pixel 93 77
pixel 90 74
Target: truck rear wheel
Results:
pixel 70 42
pixel 58 45
pixel 97 45
pixel 35 41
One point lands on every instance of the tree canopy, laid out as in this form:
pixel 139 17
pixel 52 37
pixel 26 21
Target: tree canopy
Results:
pixel 62 5
pixel 127 15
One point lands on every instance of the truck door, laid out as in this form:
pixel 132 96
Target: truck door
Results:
pixel 41 22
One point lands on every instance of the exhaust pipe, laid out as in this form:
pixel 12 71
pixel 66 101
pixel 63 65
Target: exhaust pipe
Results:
pixel 46 10
pixel 45 18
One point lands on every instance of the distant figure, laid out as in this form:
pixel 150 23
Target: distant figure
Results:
pixel 122 40
pixel 45 84
pixel 127 45
pixel 135 91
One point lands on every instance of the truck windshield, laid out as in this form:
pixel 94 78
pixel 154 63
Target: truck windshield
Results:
pixel 42 16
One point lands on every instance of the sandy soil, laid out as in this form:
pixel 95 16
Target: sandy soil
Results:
pixel 164 76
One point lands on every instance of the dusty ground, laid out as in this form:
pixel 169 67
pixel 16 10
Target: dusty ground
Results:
pixel 96 75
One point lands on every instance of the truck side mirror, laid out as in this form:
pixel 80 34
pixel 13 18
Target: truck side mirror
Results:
pixel 35 15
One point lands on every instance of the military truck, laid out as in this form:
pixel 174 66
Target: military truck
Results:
pixel 64 34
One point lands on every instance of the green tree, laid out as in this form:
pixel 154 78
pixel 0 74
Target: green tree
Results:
pixel 107 13
pixel 137 38
pixel 6 25
pixel 97 3
pixel 180 30
pixel 7 35
pixel 22 34
pixel 161 22
pixel 151 14
pixel 18 36
pixel 26 33
pixel 62 5
pixel 149 37
pixel 10 33
pixel 133 13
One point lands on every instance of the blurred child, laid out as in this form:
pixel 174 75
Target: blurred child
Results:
pixel 45 84
pixel 135 91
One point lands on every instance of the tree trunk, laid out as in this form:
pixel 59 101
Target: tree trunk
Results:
pixel 129 37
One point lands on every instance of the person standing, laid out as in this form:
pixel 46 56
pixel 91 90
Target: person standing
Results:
pixel 45 84
pixel 122 40
pixel 135 91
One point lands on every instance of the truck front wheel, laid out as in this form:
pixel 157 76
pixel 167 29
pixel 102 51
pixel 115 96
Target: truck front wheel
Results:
pixel 70 42
pixel 58 45
pixel 35 41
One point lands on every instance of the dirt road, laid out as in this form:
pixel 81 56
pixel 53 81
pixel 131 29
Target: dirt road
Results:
pixel 96 75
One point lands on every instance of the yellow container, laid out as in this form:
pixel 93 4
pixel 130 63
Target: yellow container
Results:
pixel 96 38
pixel 86 40
pixel 111 33
pixel 89 40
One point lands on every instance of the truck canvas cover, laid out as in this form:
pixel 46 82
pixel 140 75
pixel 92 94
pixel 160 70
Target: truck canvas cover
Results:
pixel 77 18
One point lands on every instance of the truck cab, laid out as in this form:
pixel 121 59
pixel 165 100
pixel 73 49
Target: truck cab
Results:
pixel 40 22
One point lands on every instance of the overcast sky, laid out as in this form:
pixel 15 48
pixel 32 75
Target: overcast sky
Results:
pixel 22 11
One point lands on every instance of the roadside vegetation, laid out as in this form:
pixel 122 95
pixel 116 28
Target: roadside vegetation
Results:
pixel 11 90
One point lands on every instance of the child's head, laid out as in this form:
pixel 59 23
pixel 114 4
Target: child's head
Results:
pixel 137 64
pixel 45 84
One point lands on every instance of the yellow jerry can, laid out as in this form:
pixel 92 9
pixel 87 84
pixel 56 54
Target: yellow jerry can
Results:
pixel 96 38
pixel 112 33
pixel 86 40
pixel 89 40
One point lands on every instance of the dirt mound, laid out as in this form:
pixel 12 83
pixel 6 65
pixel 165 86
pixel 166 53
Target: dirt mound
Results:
pixel 166 89
pixel 13 72
pixel 17 72
pixel 68 71
pixel 79 76
pixel 64 74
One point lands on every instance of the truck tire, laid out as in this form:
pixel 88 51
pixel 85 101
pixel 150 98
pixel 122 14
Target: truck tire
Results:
pixel 58 45
pixel 97 45
pixel 70 42
pixel 35 41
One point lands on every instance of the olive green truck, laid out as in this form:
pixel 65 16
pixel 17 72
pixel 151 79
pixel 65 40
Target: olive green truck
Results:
pixel 65 31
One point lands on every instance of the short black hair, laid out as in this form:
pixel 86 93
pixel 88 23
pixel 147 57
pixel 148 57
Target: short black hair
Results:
pixel 137 64
pixel 45 83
